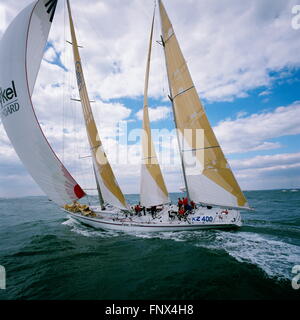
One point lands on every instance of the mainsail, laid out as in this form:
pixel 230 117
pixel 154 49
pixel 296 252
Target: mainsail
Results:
pixel 153 190
pixel 210 180
pixel 21 52
pixel 110 189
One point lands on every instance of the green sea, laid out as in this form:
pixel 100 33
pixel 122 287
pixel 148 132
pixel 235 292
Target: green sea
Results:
pixel 48 255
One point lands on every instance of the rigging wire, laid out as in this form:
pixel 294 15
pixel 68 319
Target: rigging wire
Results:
pixel 64 84
pixel 70 118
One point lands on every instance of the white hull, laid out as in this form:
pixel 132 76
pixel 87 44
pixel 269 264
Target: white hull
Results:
pixel 203 218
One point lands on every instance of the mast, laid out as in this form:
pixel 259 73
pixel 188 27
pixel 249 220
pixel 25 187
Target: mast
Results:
pixel 175 121
pixel 101 201
pixel 178 142
pixel 153 190
pixel 110 190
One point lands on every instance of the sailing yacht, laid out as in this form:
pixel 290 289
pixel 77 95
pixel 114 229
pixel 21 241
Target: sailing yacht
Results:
pixel 210 183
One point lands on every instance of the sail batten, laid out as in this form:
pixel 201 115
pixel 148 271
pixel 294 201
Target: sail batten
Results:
pixel 153 190
pixel 210 178
pixel 108 184
pixel 21 51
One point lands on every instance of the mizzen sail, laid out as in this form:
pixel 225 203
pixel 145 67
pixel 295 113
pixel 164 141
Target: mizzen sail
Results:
pixel 21 52
pixel 153 190
pixel 210 179
pixel 110 189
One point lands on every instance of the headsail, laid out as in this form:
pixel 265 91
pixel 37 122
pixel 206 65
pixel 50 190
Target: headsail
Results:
pixel 110 189
pixel 153 190
pixel 210 180
pixel 21 52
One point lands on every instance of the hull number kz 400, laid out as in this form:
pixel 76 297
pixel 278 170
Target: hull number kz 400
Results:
pixel 203 218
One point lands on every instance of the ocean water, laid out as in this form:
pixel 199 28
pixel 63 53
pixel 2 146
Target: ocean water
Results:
pixel 48 255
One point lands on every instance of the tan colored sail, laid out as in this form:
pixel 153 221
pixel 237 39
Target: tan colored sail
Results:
pixel 110 189
pixel 153 190
pixel 214 182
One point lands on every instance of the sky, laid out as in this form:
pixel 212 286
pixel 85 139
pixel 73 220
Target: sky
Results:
pixel 245 63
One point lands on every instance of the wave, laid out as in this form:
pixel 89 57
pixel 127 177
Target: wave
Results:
pixel 276 258
pixel 86 231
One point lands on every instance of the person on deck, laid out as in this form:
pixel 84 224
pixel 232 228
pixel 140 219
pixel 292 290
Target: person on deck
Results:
pixel 180 203
pixel 193 205
pixel 181 213
pixel 188 208
pixel 185 203
pixel 137 209
pixel 153 211
pixel 144 210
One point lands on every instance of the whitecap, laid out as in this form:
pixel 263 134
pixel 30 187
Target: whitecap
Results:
pixel 85 231
pixel 275 257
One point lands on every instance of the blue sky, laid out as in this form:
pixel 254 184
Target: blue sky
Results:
pixel 244 60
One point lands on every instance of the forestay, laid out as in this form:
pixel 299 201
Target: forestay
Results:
pixel 21 52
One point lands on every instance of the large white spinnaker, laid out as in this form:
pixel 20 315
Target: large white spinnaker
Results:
pixel 209 180
pixel 21 52
pixel 153 190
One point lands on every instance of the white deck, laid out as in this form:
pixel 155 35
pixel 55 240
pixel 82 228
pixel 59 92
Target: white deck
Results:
pixel 202 218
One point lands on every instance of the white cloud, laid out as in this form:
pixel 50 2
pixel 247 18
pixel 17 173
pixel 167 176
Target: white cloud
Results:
pixel 268 172
pixel 252 133
pixel 241 114
pixel 50 54
pixel 267 161
pixel 265 93
pixel 226 62
pixel 155 114
pixel 231 47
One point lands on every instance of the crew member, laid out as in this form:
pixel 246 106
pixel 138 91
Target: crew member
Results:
pixel 181 213
pixel 180 203
pixel 193 205
pixel 137 209
pixel 153 211
pixel 185 203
